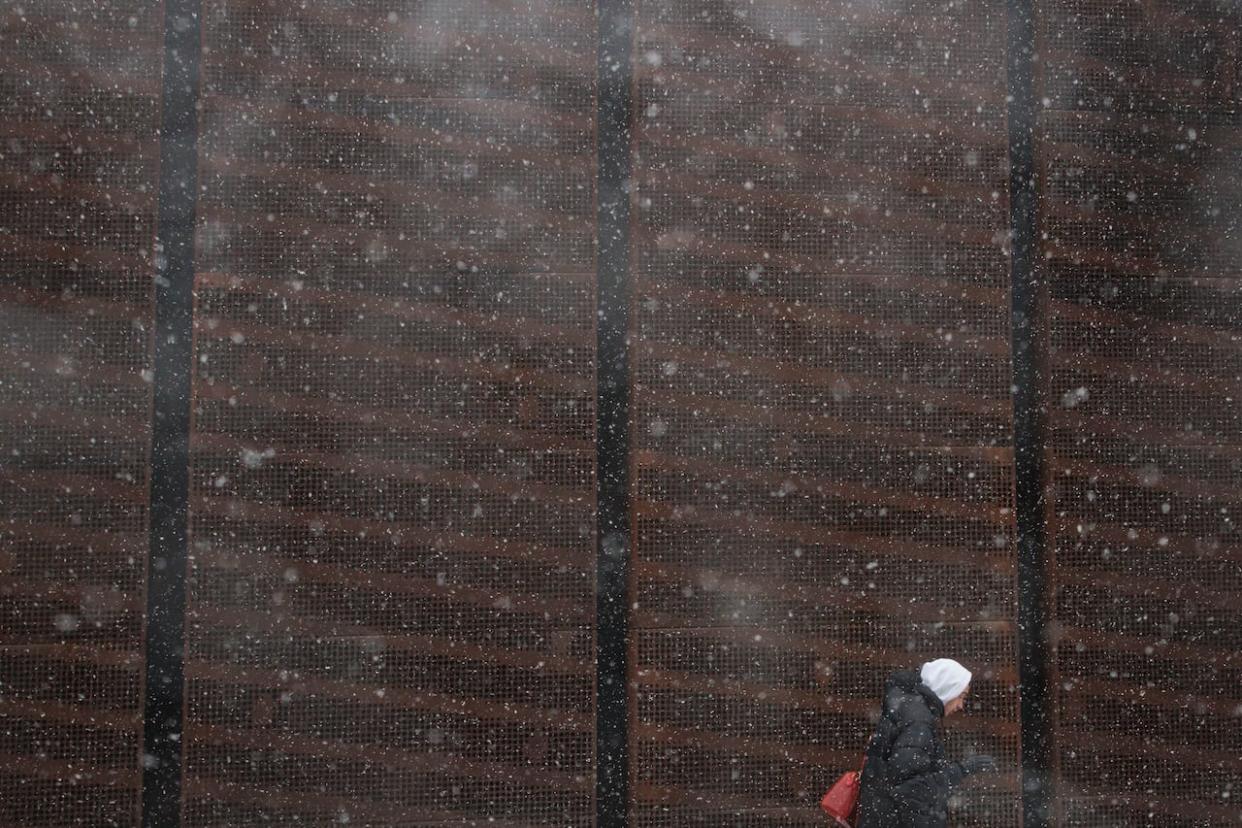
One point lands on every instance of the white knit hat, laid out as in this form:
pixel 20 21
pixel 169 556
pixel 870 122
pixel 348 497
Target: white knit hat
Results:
pixel 946 678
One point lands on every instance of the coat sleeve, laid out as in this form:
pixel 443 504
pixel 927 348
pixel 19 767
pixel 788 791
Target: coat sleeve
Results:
pixel 915 773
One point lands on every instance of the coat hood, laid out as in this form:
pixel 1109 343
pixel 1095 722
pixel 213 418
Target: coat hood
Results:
pixel 907 697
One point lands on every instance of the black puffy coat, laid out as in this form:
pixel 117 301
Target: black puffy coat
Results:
pixel 907 779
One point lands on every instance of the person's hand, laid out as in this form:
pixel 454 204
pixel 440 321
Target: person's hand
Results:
pixel 981 763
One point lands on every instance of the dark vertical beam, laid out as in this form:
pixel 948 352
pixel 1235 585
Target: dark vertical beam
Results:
pixel 174 253
pixel 1029 416
pixel 616 33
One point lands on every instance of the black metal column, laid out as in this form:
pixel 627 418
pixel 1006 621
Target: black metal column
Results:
pixel 616 24
pixel 174 252
pixel 1029 416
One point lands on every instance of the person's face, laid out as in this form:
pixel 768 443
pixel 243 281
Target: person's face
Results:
pixel 954 705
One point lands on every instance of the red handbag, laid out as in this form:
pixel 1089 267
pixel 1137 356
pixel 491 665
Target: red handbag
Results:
pixel 841 800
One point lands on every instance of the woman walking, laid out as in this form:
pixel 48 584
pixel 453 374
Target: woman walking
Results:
pixel 907 779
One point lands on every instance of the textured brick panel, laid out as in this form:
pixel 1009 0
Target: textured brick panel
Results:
pixel 392 594
pixel 79 120
pixel 1139 155
pixel 823 475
